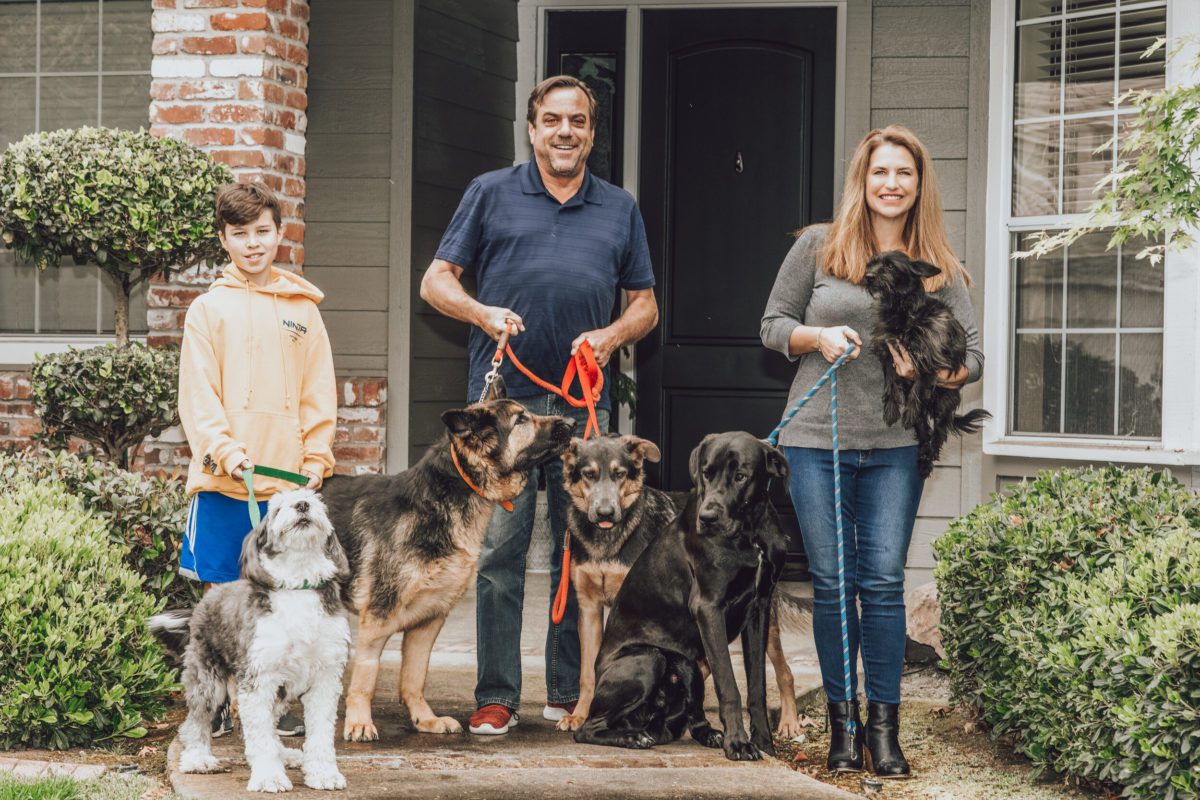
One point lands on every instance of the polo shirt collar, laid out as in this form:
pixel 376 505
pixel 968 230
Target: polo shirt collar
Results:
pixel 589 190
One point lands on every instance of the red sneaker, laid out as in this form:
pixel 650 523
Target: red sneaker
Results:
pixel 493 719
pixel 556 711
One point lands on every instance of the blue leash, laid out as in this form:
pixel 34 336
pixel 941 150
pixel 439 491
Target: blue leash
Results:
pixel 830 376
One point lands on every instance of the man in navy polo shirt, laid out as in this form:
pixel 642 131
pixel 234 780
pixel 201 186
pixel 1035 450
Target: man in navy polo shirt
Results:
pixel 549 244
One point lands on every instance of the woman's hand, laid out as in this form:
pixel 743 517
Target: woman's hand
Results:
pixel 314 480
pixel 901 360
pixel 833 341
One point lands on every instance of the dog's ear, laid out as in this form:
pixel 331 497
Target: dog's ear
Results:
pixel 695 459
pixel 643 449
pixel 459 421
pixel 925 269
pixel 335 553
pixel 777 465
pixel 497 391
pixel 253 548
pixel 570 455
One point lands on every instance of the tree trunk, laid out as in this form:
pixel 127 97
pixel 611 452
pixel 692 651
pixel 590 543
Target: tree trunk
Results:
pixel 121 308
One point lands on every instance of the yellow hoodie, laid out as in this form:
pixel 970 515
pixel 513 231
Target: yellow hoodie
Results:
pixel 256 381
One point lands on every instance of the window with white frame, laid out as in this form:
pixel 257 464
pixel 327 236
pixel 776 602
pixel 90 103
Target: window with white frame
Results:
pixel 66 64
pixel 1086 346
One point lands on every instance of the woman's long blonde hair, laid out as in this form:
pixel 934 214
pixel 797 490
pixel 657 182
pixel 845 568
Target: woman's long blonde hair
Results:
pixel 850 243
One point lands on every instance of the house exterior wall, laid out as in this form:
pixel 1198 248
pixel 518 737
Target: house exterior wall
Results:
pixel 465 67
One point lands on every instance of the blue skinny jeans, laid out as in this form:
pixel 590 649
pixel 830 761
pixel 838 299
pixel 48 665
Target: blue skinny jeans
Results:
pixel 881 490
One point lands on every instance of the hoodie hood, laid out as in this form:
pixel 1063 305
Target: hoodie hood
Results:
pixel 282 283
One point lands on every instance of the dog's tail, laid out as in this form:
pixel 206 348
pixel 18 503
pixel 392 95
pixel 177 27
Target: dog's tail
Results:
pixel 173 629
pixel 970 422
pixel 792 614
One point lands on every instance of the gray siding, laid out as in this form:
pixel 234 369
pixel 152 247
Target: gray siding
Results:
pixel 465 68
pixel 347 208
pixel 923 56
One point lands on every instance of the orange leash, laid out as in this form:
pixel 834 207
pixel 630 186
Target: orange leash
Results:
pixel 591 381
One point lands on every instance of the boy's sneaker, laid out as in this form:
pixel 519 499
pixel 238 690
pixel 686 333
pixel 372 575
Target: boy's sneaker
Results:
pixel 556 711
pixel 289 725
pixel 222 721
pixel 493 719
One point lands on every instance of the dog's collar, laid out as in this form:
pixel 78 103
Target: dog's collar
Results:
pixel 306 585
pixel 505 504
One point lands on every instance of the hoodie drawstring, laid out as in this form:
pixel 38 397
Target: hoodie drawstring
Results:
pixel 287 391
pixel 249 348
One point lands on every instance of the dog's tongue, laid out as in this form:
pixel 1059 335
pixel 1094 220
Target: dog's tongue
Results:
pixel 605 524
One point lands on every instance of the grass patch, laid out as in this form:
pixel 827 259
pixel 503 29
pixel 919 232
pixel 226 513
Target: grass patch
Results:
pixel 108 787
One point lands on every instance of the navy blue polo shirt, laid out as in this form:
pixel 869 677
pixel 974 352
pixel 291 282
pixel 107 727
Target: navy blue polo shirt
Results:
pixel 557 265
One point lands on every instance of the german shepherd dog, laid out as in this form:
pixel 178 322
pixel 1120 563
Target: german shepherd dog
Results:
pixel 413 541
pixel 926 327
pixel 704 581
pixel 613 517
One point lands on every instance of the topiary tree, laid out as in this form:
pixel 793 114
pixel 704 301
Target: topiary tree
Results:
pixel 112 396
pixel 134 205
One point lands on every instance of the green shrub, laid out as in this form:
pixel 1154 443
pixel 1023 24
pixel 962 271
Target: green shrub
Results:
pixel 78 664
pixel 111 396
pixel 1068 617
pixel 133 204
pixel 144 514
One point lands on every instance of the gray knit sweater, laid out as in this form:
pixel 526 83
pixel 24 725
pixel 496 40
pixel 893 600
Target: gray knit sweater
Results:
pixel 805 294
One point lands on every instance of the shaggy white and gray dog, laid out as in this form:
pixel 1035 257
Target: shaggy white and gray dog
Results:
pixel 279 632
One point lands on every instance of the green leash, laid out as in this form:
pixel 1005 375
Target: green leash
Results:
pixel 270 472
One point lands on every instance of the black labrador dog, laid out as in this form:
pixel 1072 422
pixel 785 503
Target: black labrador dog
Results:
pixel 705 581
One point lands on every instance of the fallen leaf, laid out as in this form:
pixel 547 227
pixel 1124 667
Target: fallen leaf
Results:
pixel 970 726
pixel 940 711
pixel 800 757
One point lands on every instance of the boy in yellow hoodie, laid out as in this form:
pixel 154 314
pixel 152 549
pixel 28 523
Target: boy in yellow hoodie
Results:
pixel 256 386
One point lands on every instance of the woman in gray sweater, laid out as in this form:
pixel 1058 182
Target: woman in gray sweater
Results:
pixel 817 306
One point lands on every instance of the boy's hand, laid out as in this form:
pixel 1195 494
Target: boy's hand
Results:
pixel 314 481
pixel 238 470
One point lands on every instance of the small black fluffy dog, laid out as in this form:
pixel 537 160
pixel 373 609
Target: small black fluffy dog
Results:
pixel 935 340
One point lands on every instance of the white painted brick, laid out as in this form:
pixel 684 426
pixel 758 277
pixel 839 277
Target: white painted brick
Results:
pixel 177 67
pixel 255 88
pixel 235 66
pixel 293 143
pixel 167 22
pixel 348 393
pixel 216 91
pixel 301 121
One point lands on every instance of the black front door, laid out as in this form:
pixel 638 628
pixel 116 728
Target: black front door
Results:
pixel 736 153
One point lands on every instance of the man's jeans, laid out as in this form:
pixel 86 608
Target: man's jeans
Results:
pixel 500 587
pixel 881 490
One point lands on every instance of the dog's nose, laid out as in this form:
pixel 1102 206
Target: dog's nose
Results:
pixel 606 512
pixel 302 506
pixel 709 515
pixel 570 423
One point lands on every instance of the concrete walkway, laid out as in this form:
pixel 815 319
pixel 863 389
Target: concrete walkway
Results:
pixel 533 760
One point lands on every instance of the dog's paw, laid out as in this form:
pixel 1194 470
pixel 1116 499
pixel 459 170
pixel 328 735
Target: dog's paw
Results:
pixel 199 762
pixel 359 731
pixel 440 725
pixel 324 777
pixel 765 745
pixel 571 722
pixel 269 780
pixel 637 741
pixel 741 750
pixel 709 736
pixel 291 757
pixel 789 728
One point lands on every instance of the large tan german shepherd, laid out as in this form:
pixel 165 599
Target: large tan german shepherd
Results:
pixel 413 542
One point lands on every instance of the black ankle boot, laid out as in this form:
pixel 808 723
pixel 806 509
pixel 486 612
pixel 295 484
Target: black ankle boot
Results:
pixel 883 743
pixel 845 737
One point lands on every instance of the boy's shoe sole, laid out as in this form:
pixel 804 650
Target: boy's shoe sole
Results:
pixel 289 725
pixel 222 722
pixel 487 729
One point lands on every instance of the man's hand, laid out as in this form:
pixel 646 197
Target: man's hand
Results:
pixel 314 480
pixel 240 468
pixel 494 320
pixel 603 342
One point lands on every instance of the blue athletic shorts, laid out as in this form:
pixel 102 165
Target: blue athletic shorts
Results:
pixel 212 541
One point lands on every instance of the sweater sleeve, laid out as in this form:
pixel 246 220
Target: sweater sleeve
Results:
pixel 318 404
pixel 201 411
pixel 790 295
pixel 958 299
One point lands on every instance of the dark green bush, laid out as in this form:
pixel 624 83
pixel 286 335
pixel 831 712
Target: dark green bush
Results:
pixel 133 204
pixel 111 396
pixel 145 515
pixel 1069 622
pixel 77 664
